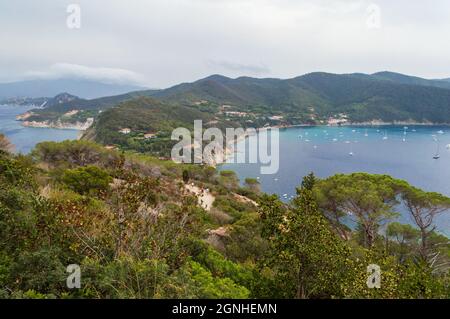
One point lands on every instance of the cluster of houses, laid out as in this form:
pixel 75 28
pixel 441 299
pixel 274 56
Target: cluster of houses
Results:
pixel 246 114
pixel 147 135
pixel 236 114
pixel 340 119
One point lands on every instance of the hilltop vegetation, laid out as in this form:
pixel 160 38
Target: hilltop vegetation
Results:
pixel 136 231
pixel 311 98
pixel 148 116
pixel 321 95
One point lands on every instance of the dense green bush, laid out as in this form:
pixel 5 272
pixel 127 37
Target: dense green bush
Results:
pixel 85 180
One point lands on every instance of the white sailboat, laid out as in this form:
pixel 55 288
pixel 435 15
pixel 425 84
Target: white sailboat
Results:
pixel 366 134
pixel 385 137
pixel 351 150
pixel 437 155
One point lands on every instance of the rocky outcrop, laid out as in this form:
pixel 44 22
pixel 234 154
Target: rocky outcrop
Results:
pixel 82 126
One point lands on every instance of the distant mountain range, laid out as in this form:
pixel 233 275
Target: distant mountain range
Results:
pixel 48 88
pixel 309 98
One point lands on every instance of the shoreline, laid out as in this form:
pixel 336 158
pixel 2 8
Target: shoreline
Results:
pixel 229 150
pixel 78 126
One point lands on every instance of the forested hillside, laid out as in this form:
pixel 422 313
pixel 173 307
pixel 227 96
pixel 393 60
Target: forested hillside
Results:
pixel 310 98
pixel 150 123
pixel 363 98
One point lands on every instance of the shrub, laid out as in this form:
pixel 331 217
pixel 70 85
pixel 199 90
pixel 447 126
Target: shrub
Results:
pixel 86 180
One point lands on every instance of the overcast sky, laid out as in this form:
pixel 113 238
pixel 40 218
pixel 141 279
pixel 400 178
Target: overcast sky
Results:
pixel 159 43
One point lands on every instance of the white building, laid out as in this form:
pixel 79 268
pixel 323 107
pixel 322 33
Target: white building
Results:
pixel 125 131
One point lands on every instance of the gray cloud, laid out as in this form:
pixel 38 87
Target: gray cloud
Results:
pixel 106 75
pixel 164 42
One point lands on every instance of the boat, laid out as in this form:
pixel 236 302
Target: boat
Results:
pixel 351 150
pixel 366 134
pixel 440 132
pixel 385 137
pixel 437 155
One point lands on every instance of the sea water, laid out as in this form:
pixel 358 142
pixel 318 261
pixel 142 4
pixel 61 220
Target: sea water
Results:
pixel 26 138
pixel 402 152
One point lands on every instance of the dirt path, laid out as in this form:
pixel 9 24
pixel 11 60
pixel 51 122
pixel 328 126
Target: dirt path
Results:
pixel 205 198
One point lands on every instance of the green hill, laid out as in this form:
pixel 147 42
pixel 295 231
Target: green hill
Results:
pixel 362 97
pixel 413 80
pixel 309 98
pixel 143 116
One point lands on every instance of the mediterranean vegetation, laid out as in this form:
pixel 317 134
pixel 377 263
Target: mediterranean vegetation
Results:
pixel 139 227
